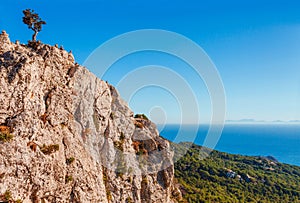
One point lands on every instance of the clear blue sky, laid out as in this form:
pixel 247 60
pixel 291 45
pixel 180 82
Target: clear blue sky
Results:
pixel 255 45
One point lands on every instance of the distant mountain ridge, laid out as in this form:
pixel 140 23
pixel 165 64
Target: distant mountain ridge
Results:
pixel 260 121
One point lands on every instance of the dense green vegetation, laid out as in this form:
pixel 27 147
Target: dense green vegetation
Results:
pixel 142 116
pixel 222 177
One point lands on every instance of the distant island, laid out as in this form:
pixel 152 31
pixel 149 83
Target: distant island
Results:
pixel 249 120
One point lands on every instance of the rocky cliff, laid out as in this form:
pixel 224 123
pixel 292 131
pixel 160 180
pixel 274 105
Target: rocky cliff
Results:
pixel 67 136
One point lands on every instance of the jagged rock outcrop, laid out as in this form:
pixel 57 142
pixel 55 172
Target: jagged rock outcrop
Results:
pixel 67 136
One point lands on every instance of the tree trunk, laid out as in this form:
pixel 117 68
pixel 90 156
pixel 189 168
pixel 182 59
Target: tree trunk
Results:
pixel 34 36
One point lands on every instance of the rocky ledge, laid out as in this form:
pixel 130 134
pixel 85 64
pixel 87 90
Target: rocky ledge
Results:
pixel 67 136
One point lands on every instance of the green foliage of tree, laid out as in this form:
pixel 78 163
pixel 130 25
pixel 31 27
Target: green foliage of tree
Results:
pixel 206 180
pixel 33 21
pixel 142 116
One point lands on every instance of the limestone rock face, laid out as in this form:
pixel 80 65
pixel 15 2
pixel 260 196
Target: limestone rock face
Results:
pixel 67 136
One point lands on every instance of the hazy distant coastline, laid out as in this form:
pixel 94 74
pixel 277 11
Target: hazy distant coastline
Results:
pixel 263 121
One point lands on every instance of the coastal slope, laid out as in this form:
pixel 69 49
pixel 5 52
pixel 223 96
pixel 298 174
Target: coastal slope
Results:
pixel 223 177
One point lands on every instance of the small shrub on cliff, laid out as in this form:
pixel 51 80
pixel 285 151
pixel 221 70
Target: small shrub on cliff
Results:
pixel 105 179
pixel 129 200
pixel 5 134
pixel 49 149
pixel 112 115
pixel 118 145
pixel 6 196
pixel 5 137
pixel 122 137
pixel 144 180
pixel 142 116
pixel 68 179
pixel 108 195
pixel 70 160
pixel 121 166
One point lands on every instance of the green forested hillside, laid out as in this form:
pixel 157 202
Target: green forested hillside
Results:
pixel 223 177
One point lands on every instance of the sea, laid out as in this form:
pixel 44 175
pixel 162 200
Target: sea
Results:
pixel 282 141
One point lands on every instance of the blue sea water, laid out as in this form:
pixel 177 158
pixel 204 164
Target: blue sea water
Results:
pixel 281 141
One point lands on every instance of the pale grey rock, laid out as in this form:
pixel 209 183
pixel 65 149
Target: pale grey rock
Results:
pixel 46 99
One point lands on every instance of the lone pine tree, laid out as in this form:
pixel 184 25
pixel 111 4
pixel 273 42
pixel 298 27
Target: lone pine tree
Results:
pixel 33 21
